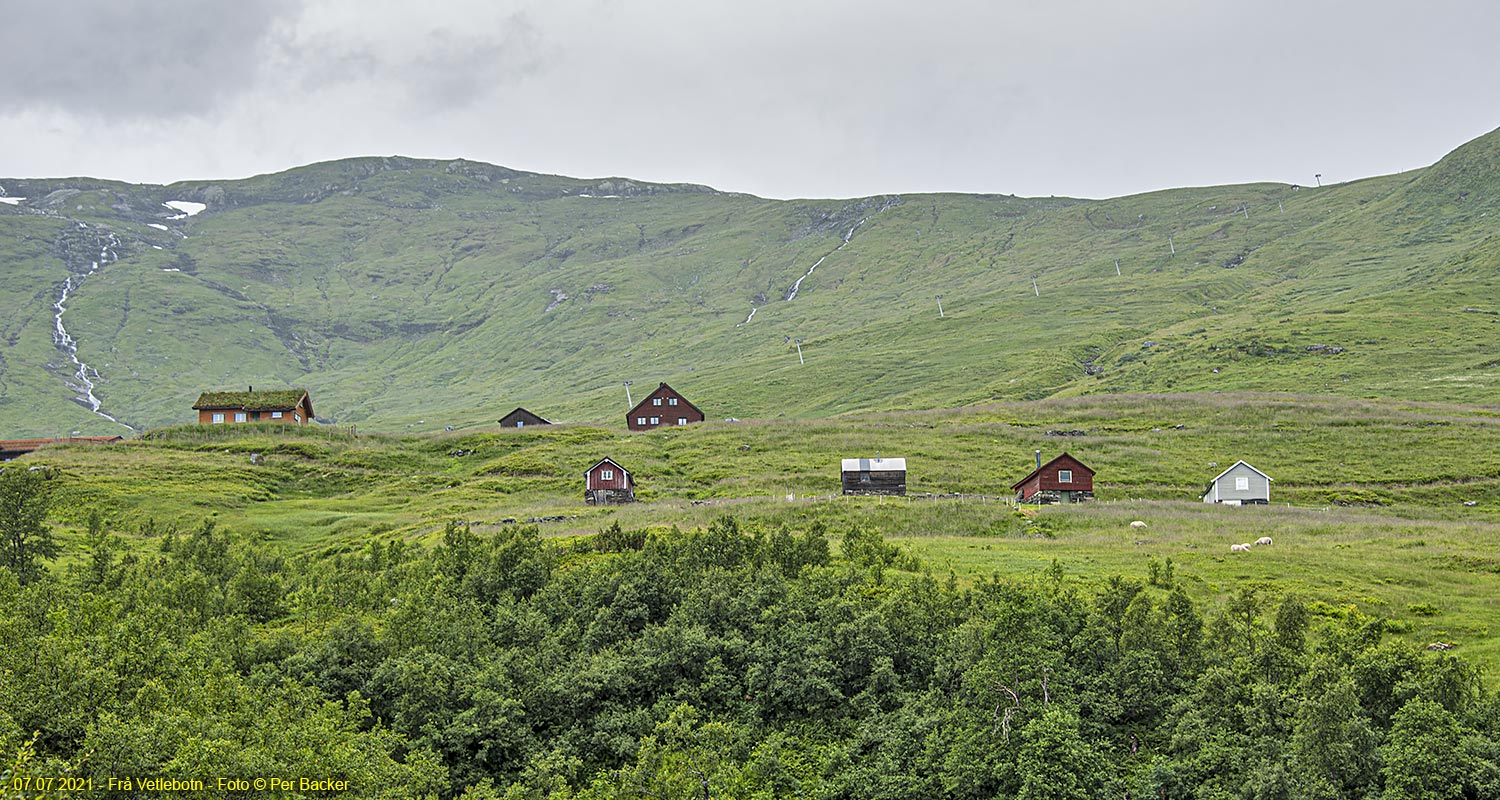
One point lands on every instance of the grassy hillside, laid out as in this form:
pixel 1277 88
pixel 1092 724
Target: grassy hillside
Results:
pixel 408 295
pixel 1368 501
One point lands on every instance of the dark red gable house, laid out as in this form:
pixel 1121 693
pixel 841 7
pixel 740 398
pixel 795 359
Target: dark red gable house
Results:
pixel 662 407
pixel 521 418
pixel 1064 479
pixel 607 482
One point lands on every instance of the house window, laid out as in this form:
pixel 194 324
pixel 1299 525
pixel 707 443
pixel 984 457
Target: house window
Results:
pixel 276 415
pixel 1065 476
pixel 218 418
pixel 640 420
pixel 606 474
pixel 682 420
pixel 656 401
pixel 239 416
pixel 1242 484
pixel 656 420
pixel 671 401
pixel 297 417
pixel 520 423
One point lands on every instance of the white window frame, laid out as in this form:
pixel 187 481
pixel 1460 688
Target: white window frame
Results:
pixel 276 414
pixel 1242 483
pixel 640 420
pixel 217 418
pixel 1065 476
pixel 520 423
pixel 656 401
pixel 682 420
pixel 671 401
pixel 656 420
pixel 240 416
pixel 606 474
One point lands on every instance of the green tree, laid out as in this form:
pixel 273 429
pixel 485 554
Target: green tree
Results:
pixel 1333 750
pixel 1423 760
pixel 25 538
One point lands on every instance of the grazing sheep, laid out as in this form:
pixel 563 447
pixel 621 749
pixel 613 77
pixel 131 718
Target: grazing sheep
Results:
pixel 1263 540
pixel 1138 524
pixel 1239 548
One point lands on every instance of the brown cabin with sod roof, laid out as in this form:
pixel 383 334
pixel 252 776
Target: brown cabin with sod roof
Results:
pixel 521 418
pixel 14 448
pixel 285 406
pixel 1064 479
pixel 607 482
pixel 665 406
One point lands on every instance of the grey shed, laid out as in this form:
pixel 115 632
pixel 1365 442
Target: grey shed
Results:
pixel 1239 485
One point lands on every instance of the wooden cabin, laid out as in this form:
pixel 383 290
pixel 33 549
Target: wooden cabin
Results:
pixel 521 418
pixel 665 406
pixel 874 476
pixel 285 406
pixel 1064 479
pixel 607 483
pixel 1240 485
pixel 15 448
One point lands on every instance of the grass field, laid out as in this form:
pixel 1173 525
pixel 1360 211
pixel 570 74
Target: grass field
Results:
pixel 1368 511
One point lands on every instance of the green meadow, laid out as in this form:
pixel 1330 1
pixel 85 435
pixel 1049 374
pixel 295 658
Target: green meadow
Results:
pixel 1368 505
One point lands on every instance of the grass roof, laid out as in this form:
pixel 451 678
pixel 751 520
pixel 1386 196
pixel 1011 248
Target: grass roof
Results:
pixel 266 400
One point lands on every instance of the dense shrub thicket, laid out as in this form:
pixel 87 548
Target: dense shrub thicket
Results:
pixel 725 662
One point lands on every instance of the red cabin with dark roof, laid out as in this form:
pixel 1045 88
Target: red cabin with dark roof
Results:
pixel 1064 479
pixel 663 407
pixel 607 482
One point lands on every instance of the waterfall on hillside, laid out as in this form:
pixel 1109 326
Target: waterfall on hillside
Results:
pixel 85 378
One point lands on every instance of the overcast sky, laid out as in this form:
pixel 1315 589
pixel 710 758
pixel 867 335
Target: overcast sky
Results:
pixel 779 98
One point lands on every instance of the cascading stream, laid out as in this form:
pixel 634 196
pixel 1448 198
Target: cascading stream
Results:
pixel 85 377
pixel 791 293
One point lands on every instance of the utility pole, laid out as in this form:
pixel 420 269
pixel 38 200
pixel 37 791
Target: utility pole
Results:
pixel 627 395
pixel 1117 266
pixel 1171 244
pixel 798 342
pixel 1033 286
pixel 940 305
pixel 1319 178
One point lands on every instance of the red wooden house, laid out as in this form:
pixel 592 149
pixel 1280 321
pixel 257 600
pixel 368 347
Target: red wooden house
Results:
pixel 15 448
pixel 607 482
pixel 665 406
pixel 521 418
pixel 1064 479
pixel 285 406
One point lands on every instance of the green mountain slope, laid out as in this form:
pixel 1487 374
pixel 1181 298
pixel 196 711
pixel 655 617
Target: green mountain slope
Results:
pixel 411 294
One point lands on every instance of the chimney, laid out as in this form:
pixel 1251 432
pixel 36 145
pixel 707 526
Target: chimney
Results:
pixel 1038 459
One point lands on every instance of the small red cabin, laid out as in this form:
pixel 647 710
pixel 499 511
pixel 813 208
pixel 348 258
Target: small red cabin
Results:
pixel 285 406
pixel 1064 479
pixel 665 406
pixel 607 482
pixel 521 418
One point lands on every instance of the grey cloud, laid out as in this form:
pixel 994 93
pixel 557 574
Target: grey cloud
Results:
pixel 133 58
pixel 435 70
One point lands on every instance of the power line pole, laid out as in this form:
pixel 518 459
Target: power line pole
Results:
pixel 940 305
pixel 798 342
pixel 627 395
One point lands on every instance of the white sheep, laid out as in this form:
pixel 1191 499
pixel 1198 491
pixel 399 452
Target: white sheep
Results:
pixel 1266 540
pixel 1138 524
pixel 1239 548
